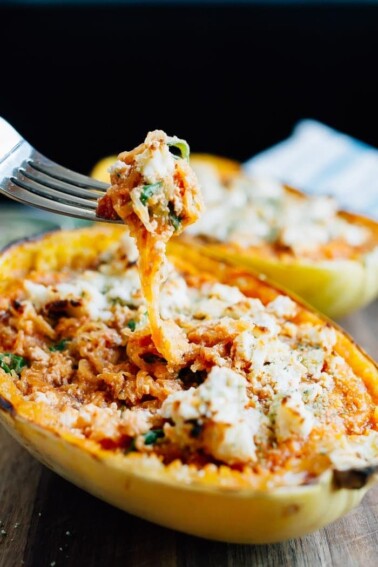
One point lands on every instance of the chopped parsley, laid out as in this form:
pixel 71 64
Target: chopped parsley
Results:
pixel 60 346
pixel 152 436
pixel 175 220
pixel 148 191
pixel 132 325
pixel 9 362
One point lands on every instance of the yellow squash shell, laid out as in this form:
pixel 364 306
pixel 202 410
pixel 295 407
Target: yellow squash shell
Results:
pixel 211 507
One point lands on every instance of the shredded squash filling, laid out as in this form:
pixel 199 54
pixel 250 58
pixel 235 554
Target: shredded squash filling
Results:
pixel 156 194
pixel 160 361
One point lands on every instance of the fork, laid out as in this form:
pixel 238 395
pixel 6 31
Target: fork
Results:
pixel 28 177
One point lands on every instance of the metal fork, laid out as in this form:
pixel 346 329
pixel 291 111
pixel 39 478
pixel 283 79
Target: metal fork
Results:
pixel 30 178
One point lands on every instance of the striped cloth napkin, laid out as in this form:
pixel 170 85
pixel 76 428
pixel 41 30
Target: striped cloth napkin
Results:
pixel 320 160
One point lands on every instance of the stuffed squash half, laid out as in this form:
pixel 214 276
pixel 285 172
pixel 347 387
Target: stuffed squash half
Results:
pixel 214 404
pixel 326 256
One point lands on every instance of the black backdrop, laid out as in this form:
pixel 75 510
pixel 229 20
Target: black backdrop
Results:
pixel 83 82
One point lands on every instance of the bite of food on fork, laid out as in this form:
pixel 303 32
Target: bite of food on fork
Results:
pixel 155 192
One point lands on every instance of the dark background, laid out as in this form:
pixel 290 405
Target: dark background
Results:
pixel 80 82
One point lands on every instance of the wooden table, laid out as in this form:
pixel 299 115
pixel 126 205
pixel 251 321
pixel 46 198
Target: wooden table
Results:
pixel 48 522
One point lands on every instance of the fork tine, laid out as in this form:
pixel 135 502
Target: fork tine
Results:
pixel 28 177
pixel 22 195
pixel 52 194
pixel 62 186
pixel 60 173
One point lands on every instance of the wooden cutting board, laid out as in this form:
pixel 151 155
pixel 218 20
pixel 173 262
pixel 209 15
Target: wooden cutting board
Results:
pixel 47 522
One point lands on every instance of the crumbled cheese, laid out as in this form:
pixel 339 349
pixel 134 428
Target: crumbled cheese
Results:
pixel 48 398
pixel 135 421
pixel 129 246
pixel 220 404
pixel 96 292
pixel 282 306
pixel 292 418
pixel 118 167
pixel 38 293
pixel 356 235
pixel 220 398
pixel 101 422
pixel 304 237
pixel 320 335
pixel 155 164
pixel 213 300
pixel 231 443
pixel 228 294
pixel 253 211
pixel 354 451
pixel 68 417
pixel 313 359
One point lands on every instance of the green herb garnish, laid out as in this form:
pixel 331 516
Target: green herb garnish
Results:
pixel 152 436
pixel 148 191
pixel 175 220
pixel 182 146
pixel 60 346
pixel 9 362
pixel 132 325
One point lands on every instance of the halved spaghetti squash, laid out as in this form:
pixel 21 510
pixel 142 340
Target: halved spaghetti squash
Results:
pixel 266 430
pixel 326 256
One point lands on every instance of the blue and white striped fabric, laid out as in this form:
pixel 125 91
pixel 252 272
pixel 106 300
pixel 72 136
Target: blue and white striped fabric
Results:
pixel 320 160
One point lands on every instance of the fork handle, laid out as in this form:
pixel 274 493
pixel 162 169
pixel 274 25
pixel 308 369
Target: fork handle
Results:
pixel 9 139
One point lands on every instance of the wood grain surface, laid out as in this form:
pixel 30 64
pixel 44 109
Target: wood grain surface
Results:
pixel 47 522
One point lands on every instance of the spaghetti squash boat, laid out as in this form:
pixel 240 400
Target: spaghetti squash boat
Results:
pixel 326 256
pixel 258 423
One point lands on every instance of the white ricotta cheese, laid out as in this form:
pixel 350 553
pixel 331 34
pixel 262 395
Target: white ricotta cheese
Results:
pixel 282 307
pixel 156 164
pixel 292 418
pixel 219 404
